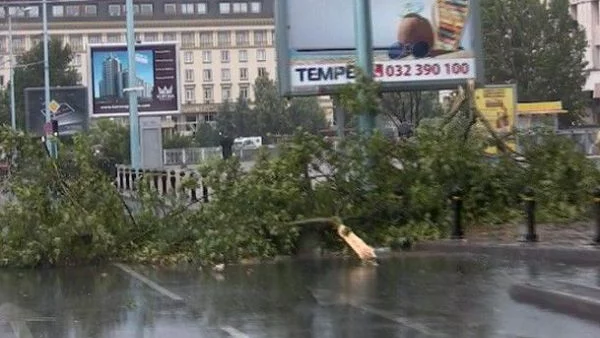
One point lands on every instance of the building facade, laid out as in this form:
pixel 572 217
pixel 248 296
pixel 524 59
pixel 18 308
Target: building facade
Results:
pixel 224 44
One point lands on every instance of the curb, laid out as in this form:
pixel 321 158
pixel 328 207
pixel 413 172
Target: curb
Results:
pixel 575 255
pixel 569 302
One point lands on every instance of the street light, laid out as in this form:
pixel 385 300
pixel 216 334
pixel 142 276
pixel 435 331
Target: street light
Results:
pixel 13 115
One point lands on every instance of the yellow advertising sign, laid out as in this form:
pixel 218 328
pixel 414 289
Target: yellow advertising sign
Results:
pixel 548 107
pixel 498 104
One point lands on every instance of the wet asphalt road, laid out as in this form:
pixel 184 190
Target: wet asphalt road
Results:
pixel 413 296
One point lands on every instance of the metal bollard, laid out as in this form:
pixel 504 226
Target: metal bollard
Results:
pixel 173 180
pixel 181 179
pixel 204 190
pixel 596 195
pixel 164 182
pixel 193 197
pixel 133 179
pixel 155 175
pixel 529 202
pixel 127 179
pixel 121 179
pixel 457 204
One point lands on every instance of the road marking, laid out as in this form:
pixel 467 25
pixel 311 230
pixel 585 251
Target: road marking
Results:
pixel 149 283
pixel 394 318
pixel 233 332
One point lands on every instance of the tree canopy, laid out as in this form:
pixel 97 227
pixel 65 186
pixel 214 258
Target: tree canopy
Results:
pixel 29 72
pixel 537 45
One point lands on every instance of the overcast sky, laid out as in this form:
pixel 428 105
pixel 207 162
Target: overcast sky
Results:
pixel 318 24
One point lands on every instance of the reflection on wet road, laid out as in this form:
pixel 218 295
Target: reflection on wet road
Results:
pixel 415 296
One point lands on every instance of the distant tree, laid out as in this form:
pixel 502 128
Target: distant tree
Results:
pixel 207 136
pixel 537 45
pixel 269 108
pixel 236 119
pixel 4 107
pixel 178 141
pixel 113 140
pixel 410 107
pixel 30 72
pixel 306 112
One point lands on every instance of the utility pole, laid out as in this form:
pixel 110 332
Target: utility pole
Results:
pixel 364 56
pixel 134 121
pixel 11 61
pixel 49 143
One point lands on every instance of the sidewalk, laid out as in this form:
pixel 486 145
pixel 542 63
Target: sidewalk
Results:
pixel 567 243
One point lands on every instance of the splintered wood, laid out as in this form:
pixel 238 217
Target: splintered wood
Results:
pixel 364 251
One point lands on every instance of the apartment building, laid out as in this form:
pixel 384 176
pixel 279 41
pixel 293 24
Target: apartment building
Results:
pixel 224 44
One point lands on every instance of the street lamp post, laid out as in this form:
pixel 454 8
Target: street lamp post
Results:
pixel 51 145
pixel 11 62
pixel 134 122
pixel 364 55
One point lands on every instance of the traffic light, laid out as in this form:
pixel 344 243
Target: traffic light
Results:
pixel 55 127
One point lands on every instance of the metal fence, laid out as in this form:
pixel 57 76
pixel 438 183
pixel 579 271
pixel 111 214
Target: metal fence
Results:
pixel 193 156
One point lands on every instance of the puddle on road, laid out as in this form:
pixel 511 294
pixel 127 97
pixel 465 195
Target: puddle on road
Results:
pixel 403 297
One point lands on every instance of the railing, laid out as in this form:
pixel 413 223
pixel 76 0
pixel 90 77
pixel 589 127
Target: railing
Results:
pixel 193 156
pixel 169 183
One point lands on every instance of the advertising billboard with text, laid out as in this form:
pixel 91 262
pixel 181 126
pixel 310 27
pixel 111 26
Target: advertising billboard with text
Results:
pixel 417 44
pixel 157 79
pixel 71 109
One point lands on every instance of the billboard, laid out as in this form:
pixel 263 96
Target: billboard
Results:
pixel 417 44
pixel 69 106
pixel 498 106
pixel 157 79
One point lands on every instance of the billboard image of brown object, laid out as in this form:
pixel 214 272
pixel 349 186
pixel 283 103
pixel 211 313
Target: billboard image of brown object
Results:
pixel 156 81
pixel 416 44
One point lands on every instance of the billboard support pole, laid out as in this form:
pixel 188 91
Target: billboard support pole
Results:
pixel 364 55
pixel 134 121
pixel 49 142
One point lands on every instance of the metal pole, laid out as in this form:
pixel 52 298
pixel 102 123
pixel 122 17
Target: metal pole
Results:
pixel 364 55
pixel 49 142
pixel 13 114
pixel 134 122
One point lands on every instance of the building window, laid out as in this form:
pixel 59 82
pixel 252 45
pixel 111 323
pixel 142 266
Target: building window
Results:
pixel 34 12
pixel 209 117
pixel 244 91
pixel 187 9
pixel 243 74
pixel 138 37
pixel 224 39
pixel 190 94
pixel 94 38
pixel 202 8
pixel 225 74
pixel 188 56
pixel 73 10
pixel 58 11
pixel 261 55
pixel 224 7
pixel 77 60
pixel 255 7
pixel 113 38
pixel 151 37
pixel 262 72
pixel 189 75
pixel 169 37
pixel 18 44
pixel 225 93
pixel 242 38
pixel 260 38
pixel 76 42
pixel 240 7
pixel 208 94
pixel 206 39
pixel 243 55
pixel 206 56
pixel 207 75
pixel 147 9
pixel 188 39
pixel 225 56
pixel 114 10
pixel 90 10
pixel 170 9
